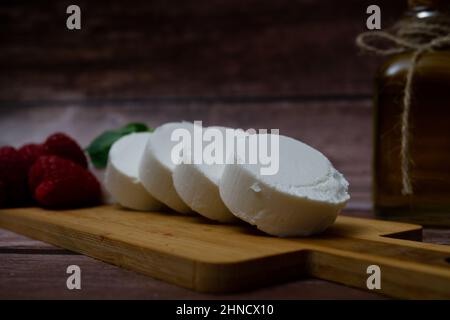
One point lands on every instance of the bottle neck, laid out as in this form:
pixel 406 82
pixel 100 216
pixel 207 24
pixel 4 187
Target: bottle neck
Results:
pixel 431 14
pixel 434 22
pixel 443 5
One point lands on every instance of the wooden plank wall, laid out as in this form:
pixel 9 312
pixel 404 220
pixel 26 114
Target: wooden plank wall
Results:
pixel 205 48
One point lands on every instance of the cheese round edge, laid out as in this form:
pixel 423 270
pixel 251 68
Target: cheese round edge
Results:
pixel 277 209
pixel 198 183
pixel 201 193
pixel 155 170
pixel 122 183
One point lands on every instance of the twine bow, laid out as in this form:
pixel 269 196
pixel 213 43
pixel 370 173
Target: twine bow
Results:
pixel 406 36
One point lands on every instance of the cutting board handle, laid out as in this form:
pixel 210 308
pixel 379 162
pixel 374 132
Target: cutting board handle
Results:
pixel 407 269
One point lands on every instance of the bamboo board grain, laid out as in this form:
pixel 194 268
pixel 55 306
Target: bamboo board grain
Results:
pixel 194 253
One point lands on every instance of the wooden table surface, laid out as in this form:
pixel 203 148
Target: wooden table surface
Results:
pixel 290 65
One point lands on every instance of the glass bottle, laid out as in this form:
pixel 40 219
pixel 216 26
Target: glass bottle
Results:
pixel 429 129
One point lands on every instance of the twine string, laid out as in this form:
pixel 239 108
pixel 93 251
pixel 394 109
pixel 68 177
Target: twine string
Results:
pixel 416 37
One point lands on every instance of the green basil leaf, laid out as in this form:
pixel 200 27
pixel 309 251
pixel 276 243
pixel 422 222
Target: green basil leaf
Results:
pixel 134 127
pixel 98 150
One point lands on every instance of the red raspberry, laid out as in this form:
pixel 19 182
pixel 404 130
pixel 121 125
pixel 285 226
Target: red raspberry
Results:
pixel 31 152
pixel 60 183
pixel 62 145
pixel 13 174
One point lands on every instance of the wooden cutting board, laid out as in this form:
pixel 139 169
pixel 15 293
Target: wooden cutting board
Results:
pixel 195 253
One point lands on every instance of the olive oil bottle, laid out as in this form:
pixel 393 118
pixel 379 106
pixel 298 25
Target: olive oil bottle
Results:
pixel 428 128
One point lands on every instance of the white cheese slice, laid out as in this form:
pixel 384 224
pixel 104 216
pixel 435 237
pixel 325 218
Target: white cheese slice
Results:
pixel 198 184
pixel 121 176
pixel 157 166
pixel 303 198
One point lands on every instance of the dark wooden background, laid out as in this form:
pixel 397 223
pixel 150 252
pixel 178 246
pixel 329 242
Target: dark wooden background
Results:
pixel 140 49
pixel 287 64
